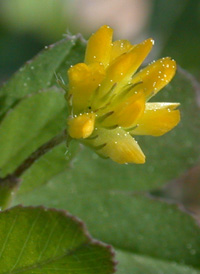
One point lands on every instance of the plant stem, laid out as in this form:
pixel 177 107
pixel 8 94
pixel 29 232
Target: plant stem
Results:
pixel 10 184
pixel 38 153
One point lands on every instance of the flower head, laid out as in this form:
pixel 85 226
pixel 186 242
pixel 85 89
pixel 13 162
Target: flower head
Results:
pixel 109 100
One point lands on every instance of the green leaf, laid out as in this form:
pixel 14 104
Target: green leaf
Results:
pixel 137 264
pixel 39 73
pixel 148 228
pixel 41 240
pixel 116 215
pixel 168 156
pixel 34 121
pixel 184 47
pixel 55 161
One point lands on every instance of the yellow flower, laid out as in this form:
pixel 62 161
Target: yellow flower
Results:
pixel 109 100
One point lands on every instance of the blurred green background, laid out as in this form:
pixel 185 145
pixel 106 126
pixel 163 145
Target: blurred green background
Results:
pixel 27 26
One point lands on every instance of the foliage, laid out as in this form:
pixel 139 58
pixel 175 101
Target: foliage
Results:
pixel 119 203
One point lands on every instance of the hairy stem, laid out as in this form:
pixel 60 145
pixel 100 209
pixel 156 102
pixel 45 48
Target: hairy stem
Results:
pixel 38 153
pixel 9 184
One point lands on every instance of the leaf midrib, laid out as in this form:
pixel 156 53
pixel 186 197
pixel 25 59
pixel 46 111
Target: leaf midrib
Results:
pixel 51 260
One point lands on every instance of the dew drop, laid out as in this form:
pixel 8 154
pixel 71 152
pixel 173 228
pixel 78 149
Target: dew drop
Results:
pixel 152 41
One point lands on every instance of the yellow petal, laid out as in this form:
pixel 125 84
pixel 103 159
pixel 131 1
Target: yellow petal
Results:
pixel 158 119
pixel 81 126
pixel 83 80
pixel 126 112
pixel 117 145
pixel 119 47
pixel 162 105
pixel 99 46
pixel 155 76
pixel 121 70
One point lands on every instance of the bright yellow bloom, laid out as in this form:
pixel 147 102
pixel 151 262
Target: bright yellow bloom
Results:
pixel 108 99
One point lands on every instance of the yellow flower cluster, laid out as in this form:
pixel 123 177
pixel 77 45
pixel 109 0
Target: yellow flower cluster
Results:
pixel 109 100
